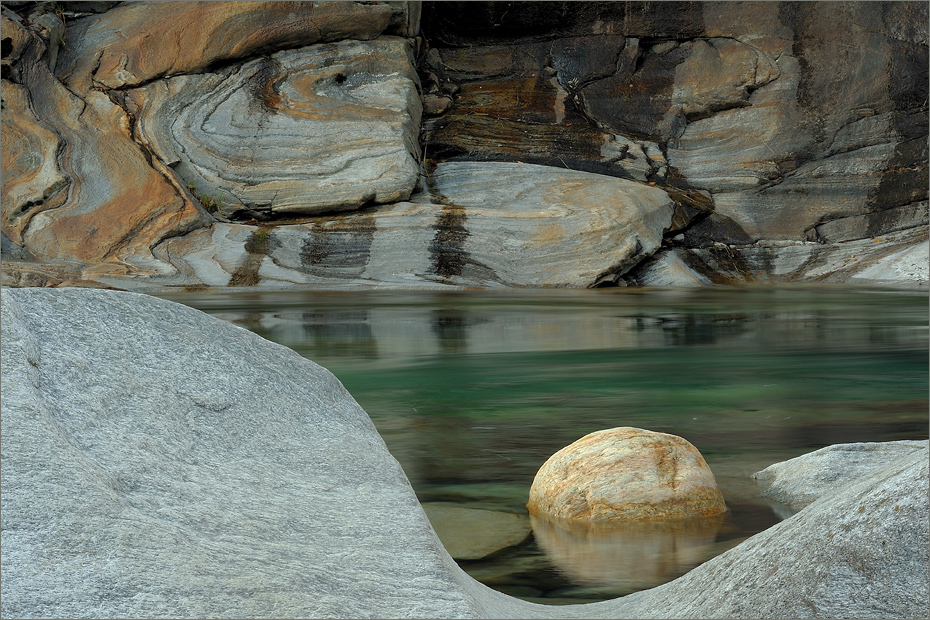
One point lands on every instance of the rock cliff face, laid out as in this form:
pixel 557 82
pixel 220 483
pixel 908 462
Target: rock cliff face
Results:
pixel 150 144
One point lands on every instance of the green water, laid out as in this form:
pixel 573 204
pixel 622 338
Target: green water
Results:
pixel 474 390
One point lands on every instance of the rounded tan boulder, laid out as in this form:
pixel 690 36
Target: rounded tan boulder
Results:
pixel 626 474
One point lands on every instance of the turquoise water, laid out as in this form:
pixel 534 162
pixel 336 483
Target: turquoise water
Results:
pixel 474 390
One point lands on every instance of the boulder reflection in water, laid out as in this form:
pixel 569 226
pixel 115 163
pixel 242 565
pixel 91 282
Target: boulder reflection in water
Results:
pixel 631 555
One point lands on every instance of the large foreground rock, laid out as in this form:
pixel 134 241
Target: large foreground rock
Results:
pixel 160 462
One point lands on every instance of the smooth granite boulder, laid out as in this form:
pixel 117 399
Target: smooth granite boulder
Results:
pixel 158 462
pixel 626 474
pixel 802 480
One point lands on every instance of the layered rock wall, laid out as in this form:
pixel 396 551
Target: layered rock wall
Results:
pixel 151 144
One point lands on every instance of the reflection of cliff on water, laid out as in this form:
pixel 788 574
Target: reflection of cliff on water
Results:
pixel 399 326
pixel 627 556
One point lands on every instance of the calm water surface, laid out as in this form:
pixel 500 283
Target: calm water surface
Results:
pixel 474 390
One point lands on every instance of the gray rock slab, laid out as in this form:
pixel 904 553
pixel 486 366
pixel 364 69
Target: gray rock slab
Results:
pixel 328 127
pixel 901 258
pixel 158 462
pixel 874 224
pixel 859 553
pixel 799 481
pixel 542 226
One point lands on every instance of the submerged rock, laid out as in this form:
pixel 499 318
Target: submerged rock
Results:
pixel 471 534
pixel 626 474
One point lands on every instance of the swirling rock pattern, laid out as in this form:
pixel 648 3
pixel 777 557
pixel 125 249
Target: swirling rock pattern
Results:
pixel 30 170
pixel 329 127
pixel 98 203
pixel 140 41
pixel 481 224
pixel 130 128
pixel 789 116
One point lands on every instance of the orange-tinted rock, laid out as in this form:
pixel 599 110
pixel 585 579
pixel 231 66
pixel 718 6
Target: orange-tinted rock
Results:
pixel 137 42
pixel 626 474
pixel 30 171
pixel 119 204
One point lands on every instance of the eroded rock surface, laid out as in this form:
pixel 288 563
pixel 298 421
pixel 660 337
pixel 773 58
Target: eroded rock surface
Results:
pixel 128 125
pixel 137 42
pixel 626 474
pixel 323 128
pixel 481 224
pixel 896 258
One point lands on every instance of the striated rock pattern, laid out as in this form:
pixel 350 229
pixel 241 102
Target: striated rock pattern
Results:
pixel 787 114
pixel 481 224
pixel 127 125
pixel 626 474
pixel 96 198
pixel 143 476
pixel 323 128
pixel 898 257
pixel 137 42
pixel 30 168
